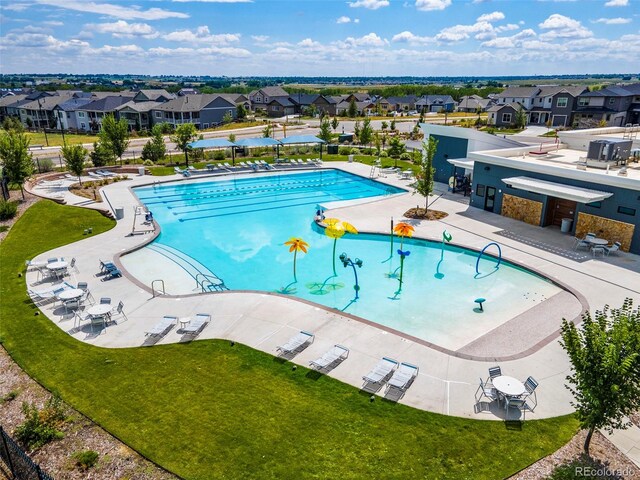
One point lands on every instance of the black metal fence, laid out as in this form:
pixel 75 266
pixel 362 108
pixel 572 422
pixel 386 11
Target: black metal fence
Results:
pixel 15 463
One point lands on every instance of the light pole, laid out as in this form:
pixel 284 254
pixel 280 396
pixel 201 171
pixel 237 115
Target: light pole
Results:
pixel 44 129
pixel 346 261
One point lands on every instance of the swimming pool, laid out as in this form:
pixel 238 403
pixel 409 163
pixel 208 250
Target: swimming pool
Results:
pixel 235 229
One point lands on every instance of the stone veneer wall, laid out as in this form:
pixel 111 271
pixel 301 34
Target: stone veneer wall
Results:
pixel 518 208
pixel 612 230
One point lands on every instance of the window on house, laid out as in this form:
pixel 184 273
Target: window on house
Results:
pixel 480 190
pixel 583 102
pixel 612 101
pixel 562 102
pixel 158 114
pixel 195 115
pixel 506 118
pixel 627 211
pixel 81 114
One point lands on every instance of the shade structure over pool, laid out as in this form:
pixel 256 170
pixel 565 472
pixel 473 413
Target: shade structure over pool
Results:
pixel 300 139
pixel 212 143
pixel 257 142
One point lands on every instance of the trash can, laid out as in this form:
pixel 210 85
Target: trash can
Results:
pixel 119 213
pixel 566 225
pixel 141 171
pixel 332 149
pixel 350 158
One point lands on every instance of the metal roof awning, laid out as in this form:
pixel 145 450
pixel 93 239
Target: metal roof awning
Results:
pixel 212 143
pixel 462 163
pixel 257 142
pixel 300 139
pixel 559 190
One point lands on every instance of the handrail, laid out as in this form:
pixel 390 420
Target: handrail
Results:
pixel 482 251
pixel 153 290
pixel 213 280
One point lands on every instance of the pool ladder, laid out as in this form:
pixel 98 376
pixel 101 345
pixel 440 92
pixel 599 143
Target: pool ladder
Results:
pixel 153 289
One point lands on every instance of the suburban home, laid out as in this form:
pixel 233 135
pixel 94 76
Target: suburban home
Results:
pixel 523 95
pixel 280 107
pixel 553 105
pixel 504 115
pixel 474 104
pixel 65 113
pixel 303 101
pixel 157 95
pixel 325 104
pixel 38 110
pixel 260 98
pixel 237 99
pixel 435 103
pixel 383 105
pixel 8 105
pixel 518 182
pixel 204 110
pixel 615 106
pixel 402 104
pixel 89 117
pixel 137 114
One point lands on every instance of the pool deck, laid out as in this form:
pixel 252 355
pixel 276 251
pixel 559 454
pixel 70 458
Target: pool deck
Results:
pixel 447 382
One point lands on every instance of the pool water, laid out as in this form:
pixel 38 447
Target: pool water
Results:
pixel 237 227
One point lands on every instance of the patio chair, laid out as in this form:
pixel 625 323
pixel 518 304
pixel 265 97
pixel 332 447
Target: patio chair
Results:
pixel 84 286
pixel 331 356
pixel 297 342
pixel 584 242
pixel 516 402
pixel 613 248
pixel 243 165
pixel 530 385
pixel 72 264
pixel 97 320
pixel 73 304
pixel 33 265
pixel 105 301
pixel 197 324
pixel 78 318
pixel 162 328
pixel 113 273
pixel 228 166
pixel 493 373
pixel 118 310
pixel 300 162
pixel 381 371
pixel 211 167
pixel 486 390
pixel 403 377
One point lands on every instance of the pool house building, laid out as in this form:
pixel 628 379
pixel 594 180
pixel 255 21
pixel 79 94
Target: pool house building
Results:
pixel 586 181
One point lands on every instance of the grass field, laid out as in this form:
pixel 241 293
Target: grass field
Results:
pixel 208 409
pixel 55 139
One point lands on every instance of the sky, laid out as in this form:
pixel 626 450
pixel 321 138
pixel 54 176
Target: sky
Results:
pixel 320 38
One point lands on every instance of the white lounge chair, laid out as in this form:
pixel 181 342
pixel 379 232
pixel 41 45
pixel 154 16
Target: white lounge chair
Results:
pixel 228 166
pixel 381 371
pixel 297 342
pixel 300 162
pixel 403 376
pixel 161 328
pixel 334 354
pixel 95 175
pixel 197 324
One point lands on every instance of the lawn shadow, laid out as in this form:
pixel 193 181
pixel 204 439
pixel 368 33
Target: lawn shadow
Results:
pixel 371 387
pixel 513 425
pixel 314 375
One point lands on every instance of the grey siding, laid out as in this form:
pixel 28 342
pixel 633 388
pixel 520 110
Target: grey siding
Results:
pixel 492 175
pixel 448 147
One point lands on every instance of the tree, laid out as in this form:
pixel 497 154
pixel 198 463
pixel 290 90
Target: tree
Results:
pixel 155 149
pixel 396 148
pixel 16 160
pixel 325 131
pixel 101 155
pixel 115 135
pixel 366 134
pixel 241 112
pixel 356 130
pixel 521 117
pixel 232 137
pixel 335 123
pixel 421 119
pixel 384 125
pixel 266 131
pixel 184 135
pixel 424 176
pixel 353 109
pixel 605 360
pixel 377 142
pixel 75 156
pixel 393 125
pixel 227 118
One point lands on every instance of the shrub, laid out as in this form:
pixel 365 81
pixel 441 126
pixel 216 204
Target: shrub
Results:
pixel 9 396
pixel 85 459
pixel 355 151
pixel 41 426
pixel 406 156
pixel 219 155
pixel 344 150
pixel 148 163
pixel 45 165
pixel 8 209
pixel 384 154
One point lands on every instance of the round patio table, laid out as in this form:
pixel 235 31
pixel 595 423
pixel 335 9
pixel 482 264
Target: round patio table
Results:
pixel 184 321
pixel 598 242
pixel 509 386
pixel 99 310
pixel 70 294
pixel 59 265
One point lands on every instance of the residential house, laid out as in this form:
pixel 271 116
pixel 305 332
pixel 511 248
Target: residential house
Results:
pixel 65 113
pixel 402 104
pixel 504 115
pixel 325 104
pixel 137 114
pixel 89 117
pixel 237 99
pixel 187 91
pixel 383 105
pixel 280 107
pixel 156 95
pixel 615 105
pixel 260 98
pixel 435 103
pixel 8 104
pixel 522 95
pixel 474 104
pixel 204 110
pixel 303 101
pixel 553 105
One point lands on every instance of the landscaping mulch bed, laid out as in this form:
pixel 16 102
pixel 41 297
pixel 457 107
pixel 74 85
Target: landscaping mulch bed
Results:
pixel 14 195
pixel 419 213
pixel 603 455
pixel 115 461
pixel 91 189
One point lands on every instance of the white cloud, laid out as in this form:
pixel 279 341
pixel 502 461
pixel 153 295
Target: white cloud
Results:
pixel 308 43
pixel 16 7
pixel 53 23
pixel 202 35
pixel 410 38
pixel 122 29
pixel 212 51
pixel 370 4
pixel 39 40
pixel 513 41
pixel 507 28
pixel 343 19
pixel 559 26
pixel 214 1
pixel 369 40
pixel 260 38
pixel 490 17
pixel 617 3
pixel 613 21
pixel 428 5
pixel 109 9
pixel 458 33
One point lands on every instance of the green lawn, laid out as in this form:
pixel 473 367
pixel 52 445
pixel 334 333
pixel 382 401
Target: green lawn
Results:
pixel 366 159
pixel 55 139
pixel 211 410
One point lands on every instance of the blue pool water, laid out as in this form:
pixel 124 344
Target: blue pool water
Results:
pixel 237 229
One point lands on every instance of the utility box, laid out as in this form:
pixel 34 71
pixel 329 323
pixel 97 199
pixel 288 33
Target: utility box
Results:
pixel 332 149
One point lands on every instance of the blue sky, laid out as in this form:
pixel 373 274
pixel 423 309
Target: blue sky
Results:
pixel 330 37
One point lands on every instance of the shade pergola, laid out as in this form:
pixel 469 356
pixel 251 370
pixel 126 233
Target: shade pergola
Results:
pixel 213 143
pixel 303 140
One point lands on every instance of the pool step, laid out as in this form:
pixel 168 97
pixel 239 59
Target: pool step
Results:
pixel 205 279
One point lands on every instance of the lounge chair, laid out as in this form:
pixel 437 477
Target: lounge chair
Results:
pixel 403 376
pixel 106 266
pixel 300 162
pixel 105 173
pixel 95 175
pixel 228 166
pixel 162 327
pixel 381 371
pixel 297 342
pixel 197 324
pixel 334 354
pixel 211 167
pixel 243 165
